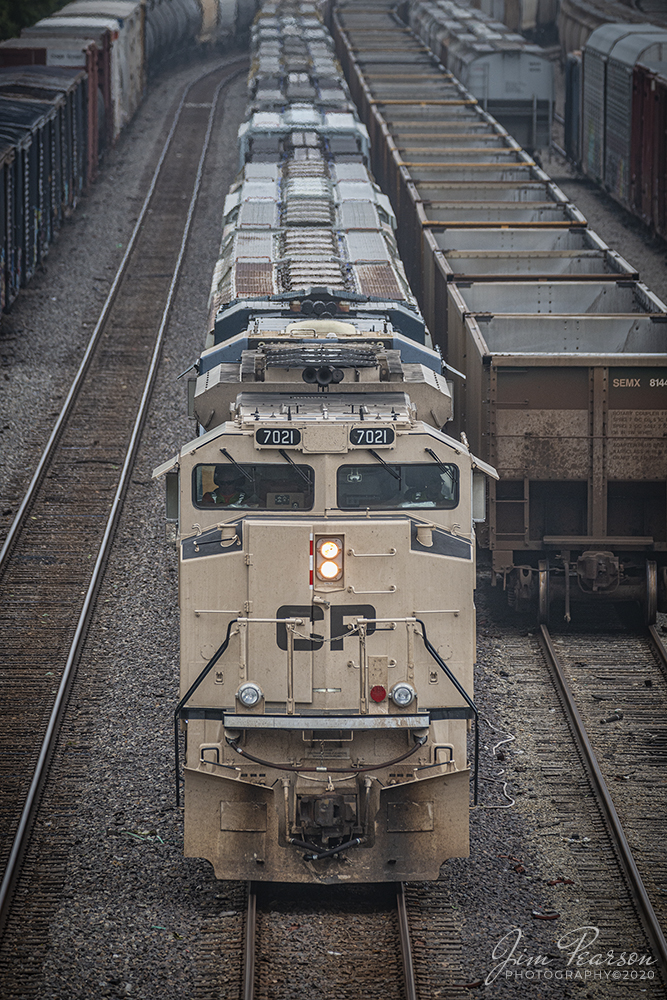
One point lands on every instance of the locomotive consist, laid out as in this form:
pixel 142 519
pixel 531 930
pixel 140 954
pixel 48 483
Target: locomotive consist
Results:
pixel 326 536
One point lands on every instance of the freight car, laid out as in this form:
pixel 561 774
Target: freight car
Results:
pixel 32 128
pixel 87 53
pixel 615 116
pixel 510 77
pixel 325 518
pixel 68 87
pixel 141 37
pixel 649 146
pixel 562 348
pixel 578 19
pixel 571 407
pixel 533 18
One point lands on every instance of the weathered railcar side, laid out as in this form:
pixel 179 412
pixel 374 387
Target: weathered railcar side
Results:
pixel 572 411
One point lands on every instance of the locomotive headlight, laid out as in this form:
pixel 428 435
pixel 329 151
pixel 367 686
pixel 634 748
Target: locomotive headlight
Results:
pixel 249 695
pixel 402 694
pixel 329 570
pixel 329 559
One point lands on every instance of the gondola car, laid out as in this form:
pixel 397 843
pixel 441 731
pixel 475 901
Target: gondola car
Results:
pixel 562 347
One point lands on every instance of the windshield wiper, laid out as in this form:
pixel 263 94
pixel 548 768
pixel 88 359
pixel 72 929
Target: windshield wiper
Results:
pixel 435 458
pixel 395 474
pixel 239 467
pixel 304 475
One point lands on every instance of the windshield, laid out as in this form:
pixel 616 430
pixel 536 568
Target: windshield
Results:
pixel 392 487
pixel 278 486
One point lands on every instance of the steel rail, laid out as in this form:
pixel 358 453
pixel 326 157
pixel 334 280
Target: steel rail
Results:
pixel 641 899
pixel 32 799
pixel 659 649
pixel 406 944
pixel 249 949
pixel 95 336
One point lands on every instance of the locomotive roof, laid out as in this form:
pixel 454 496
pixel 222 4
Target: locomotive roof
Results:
pixel 393 407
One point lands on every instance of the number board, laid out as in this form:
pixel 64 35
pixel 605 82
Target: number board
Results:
pixel 371 437
pixel 277 437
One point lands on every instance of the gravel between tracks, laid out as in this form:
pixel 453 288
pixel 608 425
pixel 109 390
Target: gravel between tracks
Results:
pixel 136 919
pixel 532 857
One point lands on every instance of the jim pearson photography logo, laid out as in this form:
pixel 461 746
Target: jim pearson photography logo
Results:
pixel 582 959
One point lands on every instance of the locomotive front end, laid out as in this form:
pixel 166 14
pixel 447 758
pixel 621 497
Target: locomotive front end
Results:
pixel 327 639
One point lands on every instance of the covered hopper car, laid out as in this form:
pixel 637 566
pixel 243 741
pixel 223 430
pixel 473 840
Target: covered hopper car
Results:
pixel 511 77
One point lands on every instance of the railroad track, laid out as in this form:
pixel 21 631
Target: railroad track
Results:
pixel 53 558
pixel 364 937
pixel 387 941
pixel 613 691
pixel 560 869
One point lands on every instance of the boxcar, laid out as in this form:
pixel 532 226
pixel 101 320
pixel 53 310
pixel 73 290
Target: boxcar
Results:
pixel 78 155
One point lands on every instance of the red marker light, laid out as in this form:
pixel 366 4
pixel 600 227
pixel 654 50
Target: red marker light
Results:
pixel 378 693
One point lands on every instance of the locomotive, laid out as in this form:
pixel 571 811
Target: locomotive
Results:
pixel 325 517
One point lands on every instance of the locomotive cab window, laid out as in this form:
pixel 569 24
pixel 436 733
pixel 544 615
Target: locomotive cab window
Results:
pixel 394 487
pixel 276 486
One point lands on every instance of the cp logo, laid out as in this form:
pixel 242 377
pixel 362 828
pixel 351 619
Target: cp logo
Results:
pixel 313 613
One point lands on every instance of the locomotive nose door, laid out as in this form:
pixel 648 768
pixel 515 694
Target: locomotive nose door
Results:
pixel 278 566
pixel 376 584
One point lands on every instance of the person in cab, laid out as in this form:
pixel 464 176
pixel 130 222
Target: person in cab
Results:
pixel 229 487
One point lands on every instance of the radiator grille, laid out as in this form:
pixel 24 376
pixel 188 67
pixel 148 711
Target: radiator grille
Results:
pixel 379 280
pixel 254 278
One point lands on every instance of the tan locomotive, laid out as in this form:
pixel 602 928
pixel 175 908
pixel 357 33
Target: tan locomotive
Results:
pixel 326 535
pixel 327 571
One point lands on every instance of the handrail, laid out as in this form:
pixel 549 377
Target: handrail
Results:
pixel 369 555
pixel 177 711
pixel 464 694
pixel 207 669
pixel 360 621
pixel 443 666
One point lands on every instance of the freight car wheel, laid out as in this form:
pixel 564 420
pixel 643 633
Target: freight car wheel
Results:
pixel 543 592
pixel 662 590
pixel 651 600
